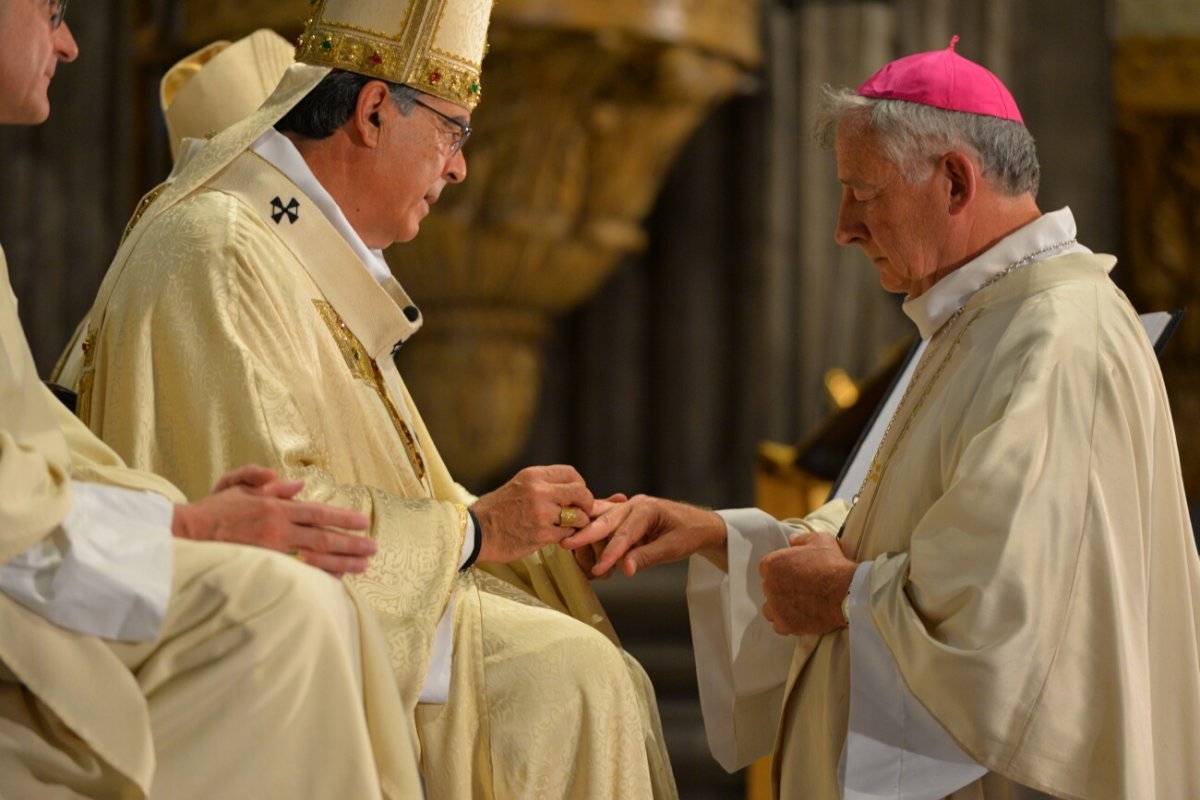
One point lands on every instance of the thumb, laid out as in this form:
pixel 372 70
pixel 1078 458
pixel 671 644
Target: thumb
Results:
pixel 251 476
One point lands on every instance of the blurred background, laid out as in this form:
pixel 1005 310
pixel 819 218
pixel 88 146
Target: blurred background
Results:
pixel 639 276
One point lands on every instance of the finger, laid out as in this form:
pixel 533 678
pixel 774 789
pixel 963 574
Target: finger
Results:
pixel 662 550
pixel 566 495
pixel 575 517
pixel 764 565
pixel 598 550
pixel 600 507
pixel 554 473
pixel 335 565
pixel 322 516
pixel 619 497
pixel 585 557
pixel 318 540
pixel 284 490
pixel 250 475
pixel 767 612
pixel 797 538
pixel 600 528
pixel 618 549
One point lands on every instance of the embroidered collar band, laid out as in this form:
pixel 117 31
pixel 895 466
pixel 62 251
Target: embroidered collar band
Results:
pixel 1047 236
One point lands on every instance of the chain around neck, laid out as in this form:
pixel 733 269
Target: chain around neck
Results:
pixel 877 462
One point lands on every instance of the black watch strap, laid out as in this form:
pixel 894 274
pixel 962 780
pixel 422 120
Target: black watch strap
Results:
pixel 478 541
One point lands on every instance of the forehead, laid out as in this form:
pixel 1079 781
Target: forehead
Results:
pixel 860 153
pixel 450 109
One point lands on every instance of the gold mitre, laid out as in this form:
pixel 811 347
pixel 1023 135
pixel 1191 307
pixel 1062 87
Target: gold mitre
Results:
pixel 221 84
pixel 436 46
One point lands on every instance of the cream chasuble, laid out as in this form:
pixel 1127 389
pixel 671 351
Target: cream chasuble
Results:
pixel 1034 575
pixel 1031 567
pixel 176 716
pixel 236 325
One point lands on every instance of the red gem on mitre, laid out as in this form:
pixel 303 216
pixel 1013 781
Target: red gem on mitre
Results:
pixel 435 77
pixel 376 58
pixel 943 79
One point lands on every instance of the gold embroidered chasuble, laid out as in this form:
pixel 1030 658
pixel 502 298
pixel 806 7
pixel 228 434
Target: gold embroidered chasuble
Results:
pixel 100 718
pixel 225 335
pixel 1035 577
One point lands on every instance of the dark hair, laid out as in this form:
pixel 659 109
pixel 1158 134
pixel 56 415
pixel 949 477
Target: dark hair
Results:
pixel 331 102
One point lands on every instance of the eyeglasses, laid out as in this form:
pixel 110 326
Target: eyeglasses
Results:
pixel 460 135
pixel 58 9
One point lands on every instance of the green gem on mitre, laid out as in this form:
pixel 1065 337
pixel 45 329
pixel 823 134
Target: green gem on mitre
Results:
pixel 473 88
pixel 327 44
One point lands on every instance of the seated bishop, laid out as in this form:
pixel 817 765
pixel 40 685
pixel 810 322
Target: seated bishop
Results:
pixel 249 315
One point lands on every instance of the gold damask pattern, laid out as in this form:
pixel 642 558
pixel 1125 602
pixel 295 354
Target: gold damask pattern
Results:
pixel 529 648
pixel 363 368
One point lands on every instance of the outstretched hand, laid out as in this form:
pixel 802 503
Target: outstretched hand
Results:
pixel 805 585
pixel 646 531
pixel 523 515
pixel 251 506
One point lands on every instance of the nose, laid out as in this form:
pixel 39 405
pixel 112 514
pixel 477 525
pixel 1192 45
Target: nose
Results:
pixel 65 46
pixel 849 224
pixel 456 168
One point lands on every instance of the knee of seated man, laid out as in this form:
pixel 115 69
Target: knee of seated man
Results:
pixel 557 647
pixel 252 582
pixel 309 595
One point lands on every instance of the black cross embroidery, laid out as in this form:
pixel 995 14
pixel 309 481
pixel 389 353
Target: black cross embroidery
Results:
pixel 291 210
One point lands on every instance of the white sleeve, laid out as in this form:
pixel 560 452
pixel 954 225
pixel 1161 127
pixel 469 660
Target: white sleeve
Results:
pixel 436 688
pixel 894 747
pixel 741 663
pixel 106 570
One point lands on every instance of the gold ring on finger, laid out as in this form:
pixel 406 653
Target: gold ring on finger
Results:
pixel 296 554
pixel 566 517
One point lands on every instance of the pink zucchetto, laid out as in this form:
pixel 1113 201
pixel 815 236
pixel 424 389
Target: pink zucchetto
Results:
pixel 943 79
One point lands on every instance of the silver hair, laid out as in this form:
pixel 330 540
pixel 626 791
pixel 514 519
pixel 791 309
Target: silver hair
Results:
pixel 914 135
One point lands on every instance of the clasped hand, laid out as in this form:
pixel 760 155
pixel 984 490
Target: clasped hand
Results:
pixel 805 585
pixel 252 506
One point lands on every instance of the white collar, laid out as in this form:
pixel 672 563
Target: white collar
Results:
pixel 1048 236
pixel 283 155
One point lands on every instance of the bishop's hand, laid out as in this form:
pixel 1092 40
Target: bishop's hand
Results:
pixel 252 506
pixel 539 506
pixel 648 530
pixel 805 585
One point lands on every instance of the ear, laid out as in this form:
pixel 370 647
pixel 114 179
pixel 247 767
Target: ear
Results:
pixel 365 121
pixel 962 176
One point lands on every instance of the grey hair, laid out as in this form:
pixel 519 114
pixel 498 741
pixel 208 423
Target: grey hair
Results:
pixel 331 102
pixel 914 135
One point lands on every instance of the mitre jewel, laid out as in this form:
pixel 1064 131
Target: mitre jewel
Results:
pixel 436 46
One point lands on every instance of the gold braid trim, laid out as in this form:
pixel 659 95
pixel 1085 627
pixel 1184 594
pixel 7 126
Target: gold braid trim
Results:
pixel 364 368
pixel 142 206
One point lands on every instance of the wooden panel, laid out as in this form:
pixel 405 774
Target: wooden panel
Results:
pixel 1159 76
